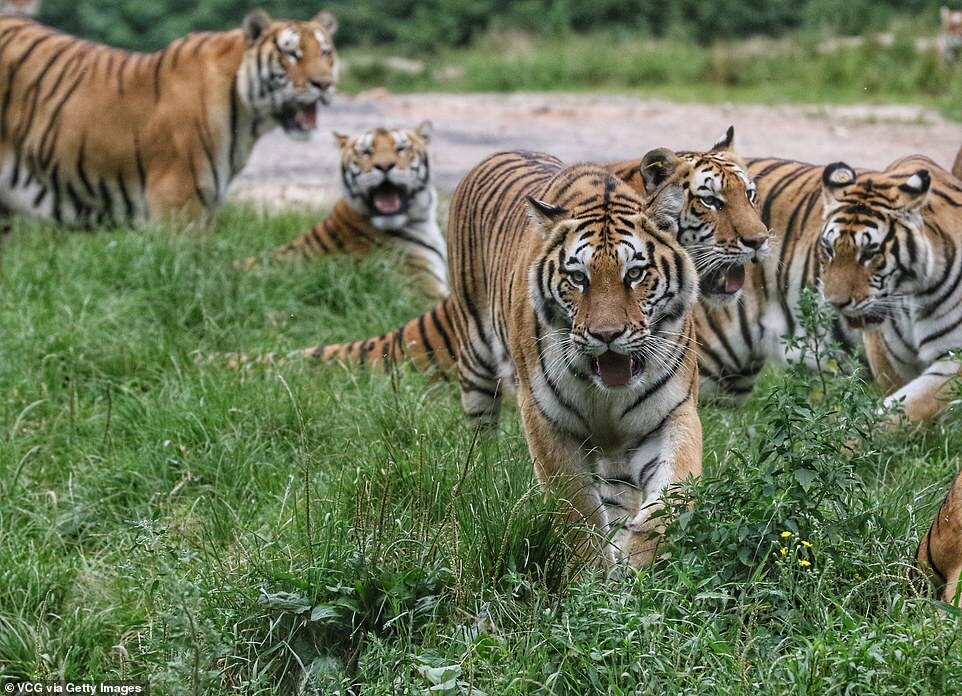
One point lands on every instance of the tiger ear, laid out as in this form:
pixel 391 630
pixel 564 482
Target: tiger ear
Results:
pixel 664 208
pixel 341 139
pixel 424 131
pixel 255 23
pixel 545 215
pixel 327 20
pixel 836 178
pixel 657 167
pixel 914 191
pixel 726 142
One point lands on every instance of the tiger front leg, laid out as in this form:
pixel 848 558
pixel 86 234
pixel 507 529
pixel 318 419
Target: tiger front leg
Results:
pixel 680 456
pixel 927 394
pixel 560 469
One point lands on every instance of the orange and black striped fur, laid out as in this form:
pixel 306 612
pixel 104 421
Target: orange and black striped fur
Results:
pixel 891 248
pixel 93 135
pixel 719 225
pixel 569 290
pixel 389 202
pixel 940 550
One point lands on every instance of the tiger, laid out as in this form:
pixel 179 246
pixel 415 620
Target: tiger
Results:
pixel 24 8
pixel 389 201
pixel 940 550
pixel 950 34
pixel 93 135
pixel 720 226
pixel 891 251
pixel 569 290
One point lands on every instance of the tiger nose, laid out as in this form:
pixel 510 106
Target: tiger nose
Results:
pixel 606 335
pixel 384 166
pixel 755 241
pixel 322 84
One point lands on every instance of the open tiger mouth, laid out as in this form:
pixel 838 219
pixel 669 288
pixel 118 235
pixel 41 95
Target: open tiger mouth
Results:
pixel 388 199
pixel 299 119
pixel 725 281
pixel 616 369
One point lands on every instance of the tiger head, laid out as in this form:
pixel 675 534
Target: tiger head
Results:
pixel 872 248
pixel 610 277
pixel 289 67
pixel 386 175
pixel 719 223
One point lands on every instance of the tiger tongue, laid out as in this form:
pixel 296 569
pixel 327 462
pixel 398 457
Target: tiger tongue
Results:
pixel 306 117
pixel 613 368
pixel 387 202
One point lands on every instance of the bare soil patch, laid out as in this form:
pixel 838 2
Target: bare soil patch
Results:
pixel 579 127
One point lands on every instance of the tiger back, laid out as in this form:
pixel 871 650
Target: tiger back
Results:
pixel 389 202
pixel 93 135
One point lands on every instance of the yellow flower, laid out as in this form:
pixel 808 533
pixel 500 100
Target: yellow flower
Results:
pixel 785 535
pixel 806 544
pixel 804 563
pixel 784 551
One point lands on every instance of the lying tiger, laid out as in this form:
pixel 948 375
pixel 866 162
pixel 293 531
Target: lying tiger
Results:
pixel 389 201
pixel 93 135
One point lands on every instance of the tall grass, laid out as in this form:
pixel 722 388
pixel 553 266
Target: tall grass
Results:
pixel 312 530
pixel 803 69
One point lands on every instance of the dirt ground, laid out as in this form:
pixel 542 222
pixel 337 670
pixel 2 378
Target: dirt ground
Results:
pixel 578 127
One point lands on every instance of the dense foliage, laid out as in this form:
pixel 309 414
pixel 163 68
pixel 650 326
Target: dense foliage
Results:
pixel 423 25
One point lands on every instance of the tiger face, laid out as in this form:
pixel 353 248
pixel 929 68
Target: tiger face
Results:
pixel 386 174
pixel 289 68
pixel 719 224
pixel 615 282
pixel 871 247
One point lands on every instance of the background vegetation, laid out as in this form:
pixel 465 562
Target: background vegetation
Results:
pixel 426 25
pixel 310 530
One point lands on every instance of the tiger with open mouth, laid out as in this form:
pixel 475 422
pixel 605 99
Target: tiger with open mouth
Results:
pixel 389 202
pixel 92 135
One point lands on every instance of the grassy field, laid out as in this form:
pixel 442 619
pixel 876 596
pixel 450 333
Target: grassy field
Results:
pixel 309 530
pixel 799 70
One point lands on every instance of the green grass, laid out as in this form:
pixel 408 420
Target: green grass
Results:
pixel 217 532
pixel 762 71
